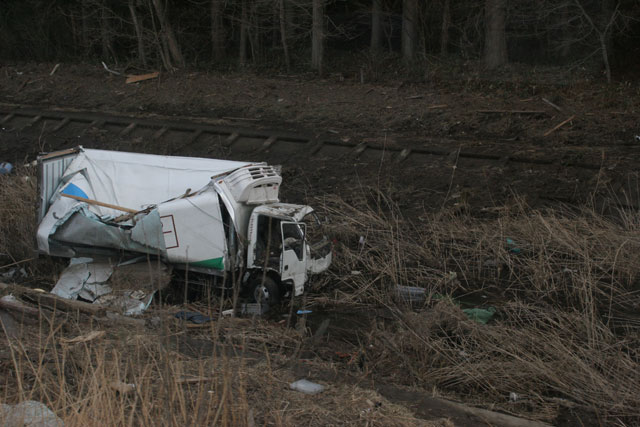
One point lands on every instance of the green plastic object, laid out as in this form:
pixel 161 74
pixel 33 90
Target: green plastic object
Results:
pixel 480 315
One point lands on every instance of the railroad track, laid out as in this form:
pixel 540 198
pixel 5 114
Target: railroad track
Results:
pixel 242 140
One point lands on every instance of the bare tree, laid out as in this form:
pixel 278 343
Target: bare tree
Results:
pixel 168 36
pixel 139 33
pixel 446 23
pixel 603 28
pixel 283 32
pixel 317 35
pixel 495 40
pixel 106 34
pixel 217 29
pixel 244 23
pixel 376 26
pixel 409 28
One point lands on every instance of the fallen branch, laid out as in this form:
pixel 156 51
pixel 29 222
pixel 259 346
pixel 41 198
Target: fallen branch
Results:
pixel 552 104
pixel 110 71
pixel 241 119
pixel 54 302
pixel 558 126
pixel 491 417
pixel 16 263
pixel 510 112
pixel 54 70
pixel 11 303
pixel 83 338
pixel 141 77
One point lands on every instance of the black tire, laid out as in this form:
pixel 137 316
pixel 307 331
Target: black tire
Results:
pixel 265 291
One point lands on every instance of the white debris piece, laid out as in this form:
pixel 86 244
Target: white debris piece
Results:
pixel 29 413
pixel 306 386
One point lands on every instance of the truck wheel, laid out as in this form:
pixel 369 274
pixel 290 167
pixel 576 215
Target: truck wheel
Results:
pixel 265 291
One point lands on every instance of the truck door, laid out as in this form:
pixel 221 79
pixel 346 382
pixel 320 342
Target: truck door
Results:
pixel 293 262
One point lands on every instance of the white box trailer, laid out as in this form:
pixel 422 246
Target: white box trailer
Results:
pixel 205 215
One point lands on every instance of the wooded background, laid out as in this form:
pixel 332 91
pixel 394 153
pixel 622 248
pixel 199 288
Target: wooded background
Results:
pixel 600 35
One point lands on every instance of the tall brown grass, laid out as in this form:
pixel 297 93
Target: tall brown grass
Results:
pixel 565 285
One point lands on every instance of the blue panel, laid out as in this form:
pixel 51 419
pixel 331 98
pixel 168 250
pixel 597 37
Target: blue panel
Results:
pixel 74 190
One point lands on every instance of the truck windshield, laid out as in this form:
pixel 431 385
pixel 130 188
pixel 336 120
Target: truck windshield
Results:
pixel 293 237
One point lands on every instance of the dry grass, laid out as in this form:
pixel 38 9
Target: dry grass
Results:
pixel 566 333
pixel 18 194
pixel 17 215
pixel 220 384
pixel 565 285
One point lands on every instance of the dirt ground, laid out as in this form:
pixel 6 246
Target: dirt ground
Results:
pixel 509 115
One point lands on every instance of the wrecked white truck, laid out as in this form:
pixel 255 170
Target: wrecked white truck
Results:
pixel 215 217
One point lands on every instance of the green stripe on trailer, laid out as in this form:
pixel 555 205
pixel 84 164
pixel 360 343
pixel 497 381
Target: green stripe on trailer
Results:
pixel 217 263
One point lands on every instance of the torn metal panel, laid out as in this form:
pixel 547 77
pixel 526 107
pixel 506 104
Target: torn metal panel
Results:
pixel 148 231
pixel 83 278
pixel 81 231
pixel 127 288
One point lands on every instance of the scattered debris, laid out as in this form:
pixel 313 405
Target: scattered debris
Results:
pixel 558 126
pixel 512 246
pixel 111 71
pixel 253 309
pixel 29 413
pixel 193 317
pixel 54 70
pixel 511 111
pixel 307 387
pixel 5 168
pixel 411 295
pixel 552 104
pixel 141 77
pixel 93 335
pixel 126 287
pixel 14 273
pixel 121 387
pixel 513 397
pixel 480 315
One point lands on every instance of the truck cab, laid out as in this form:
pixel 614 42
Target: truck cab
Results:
pixel 286 240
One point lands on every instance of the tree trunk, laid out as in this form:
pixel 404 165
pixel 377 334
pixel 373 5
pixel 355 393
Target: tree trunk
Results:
pixel 169 36
pixel 376 26
pixel 159 40
pixel 446 23
pixel 84 10
pixel 566 32
pixel 605 56
pixel 283 34
pixel 317 36
pixel 409 28
pixel 104 33
pixel 217 30
pixel 136 25
pixel 495 40
pixel 243 34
